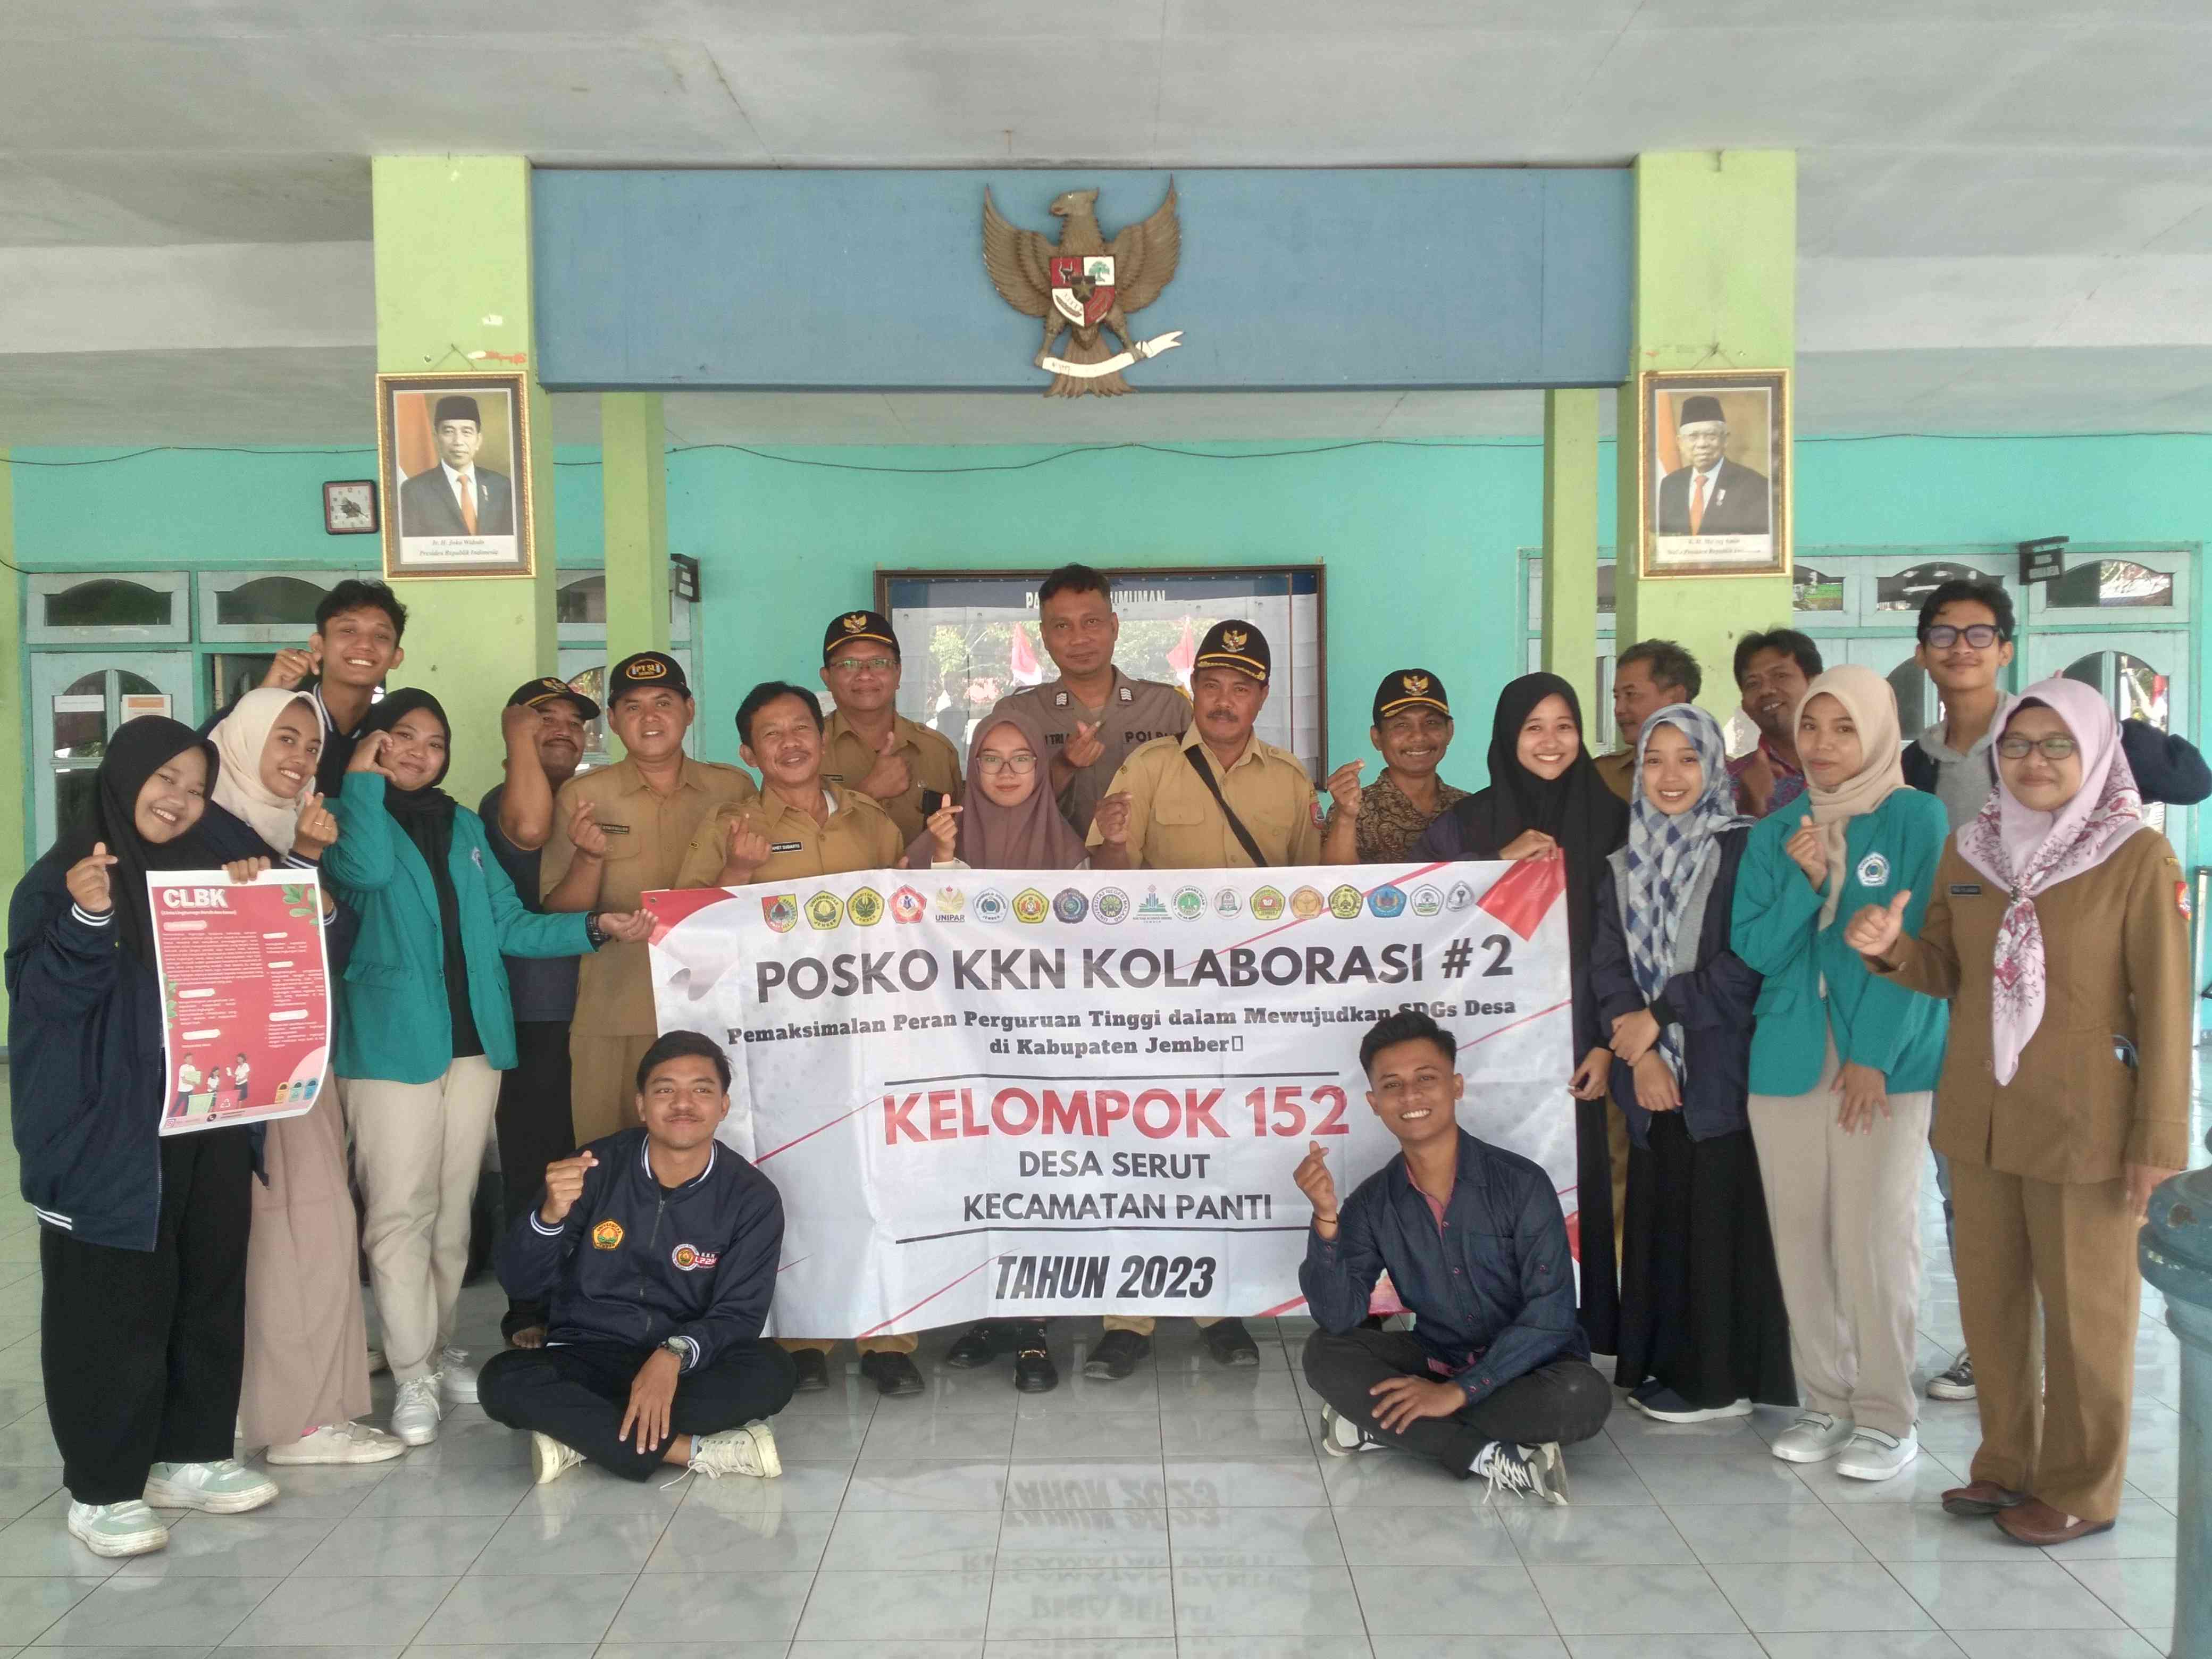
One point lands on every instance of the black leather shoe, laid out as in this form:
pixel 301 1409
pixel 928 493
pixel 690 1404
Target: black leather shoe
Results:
pixel 1231 1344
pixel 977 1345
pixel 813 1367
pixel 1116 1355
pixel 1033 1371
pixel 893 1374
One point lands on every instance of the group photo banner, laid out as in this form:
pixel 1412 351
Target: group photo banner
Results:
pixel 1016 1094
pixel 245 996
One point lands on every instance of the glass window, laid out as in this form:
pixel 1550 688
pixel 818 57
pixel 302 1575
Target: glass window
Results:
pixel 267 599
pixel 108 602
pixel 581 600
pixel 1815 590
pixel 1907 589
pixel 2109 584
pixel 80 719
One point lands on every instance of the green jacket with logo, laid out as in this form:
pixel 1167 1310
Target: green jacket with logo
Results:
pixel 1776 929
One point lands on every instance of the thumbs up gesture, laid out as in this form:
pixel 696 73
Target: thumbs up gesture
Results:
pixel 1874 932
pixel 1805 847
pixel 889 777
pixel 87 881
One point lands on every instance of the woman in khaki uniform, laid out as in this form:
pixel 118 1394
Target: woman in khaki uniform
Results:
pixel 2056 929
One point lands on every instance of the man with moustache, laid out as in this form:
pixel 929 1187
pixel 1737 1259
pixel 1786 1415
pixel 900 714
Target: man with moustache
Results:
pixel 654 1357
pixel 1646 677
pixel 544 726
pixel 1216 798
pixel 799 826
pixel 1413 728
pixel 868 745
pixel 1094 716
pixel 622 831
pixel 1772 670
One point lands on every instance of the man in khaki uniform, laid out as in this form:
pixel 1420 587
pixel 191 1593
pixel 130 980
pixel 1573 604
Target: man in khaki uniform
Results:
pixel 1161 815
pixel 1094 716
pixel 799 826
pixel 617 833
pixel 869 746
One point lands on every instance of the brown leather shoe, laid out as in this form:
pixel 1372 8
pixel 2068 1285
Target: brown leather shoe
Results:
pixel 2035 1523
pixel 1981 1499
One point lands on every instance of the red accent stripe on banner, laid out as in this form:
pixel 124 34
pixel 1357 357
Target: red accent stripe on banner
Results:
pixel 1282 1308
pixel 1300 921
pixel 934 1295
pixel 811 1133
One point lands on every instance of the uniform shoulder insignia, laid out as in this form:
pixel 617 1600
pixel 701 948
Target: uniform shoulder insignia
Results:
pixel 1128 696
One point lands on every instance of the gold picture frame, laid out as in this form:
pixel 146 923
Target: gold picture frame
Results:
pixel 1713 473
pixel 435 525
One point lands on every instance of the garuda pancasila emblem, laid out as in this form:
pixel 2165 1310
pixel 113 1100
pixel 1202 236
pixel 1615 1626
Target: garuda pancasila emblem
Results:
pixel 1083 283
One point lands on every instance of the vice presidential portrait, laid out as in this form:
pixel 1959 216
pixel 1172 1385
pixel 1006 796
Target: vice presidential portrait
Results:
pixel 457 497
pixel 455 462
pixel 1710 494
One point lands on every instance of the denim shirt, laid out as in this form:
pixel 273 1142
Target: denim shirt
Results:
pixel 1492 1291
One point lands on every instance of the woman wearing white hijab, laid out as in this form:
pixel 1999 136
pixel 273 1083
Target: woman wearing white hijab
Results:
pixel 2055 926
pixel 307 1342
pixel 1843 1065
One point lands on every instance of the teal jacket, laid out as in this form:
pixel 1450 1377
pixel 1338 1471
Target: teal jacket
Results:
pixel 1776 928
pixel 394 1022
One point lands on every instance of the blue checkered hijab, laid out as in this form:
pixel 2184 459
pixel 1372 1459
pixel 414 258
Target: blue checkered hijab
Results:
pixel 1665 855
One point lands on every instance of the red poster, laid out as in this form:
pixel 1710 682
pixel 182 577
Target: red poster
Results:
pixel 245 996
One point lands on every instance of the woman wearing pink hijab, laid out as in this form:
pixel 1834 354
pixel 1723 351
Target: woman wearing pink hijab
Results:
pixel 2055 930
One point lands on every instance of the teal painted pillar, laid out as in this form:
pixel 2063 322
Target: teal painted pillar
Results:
pixel 2175 1249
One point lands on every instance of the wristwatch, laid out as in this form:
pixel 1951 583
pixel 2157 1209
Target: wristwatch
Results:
pixel 680 1348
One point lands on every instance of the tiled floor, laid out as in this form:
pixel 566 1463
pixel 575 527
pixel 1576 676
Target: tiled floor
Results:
pixel 1183 1514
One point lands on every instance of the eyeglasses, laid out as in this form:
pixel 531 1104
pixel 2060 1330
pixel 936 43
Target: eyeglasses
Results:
pixel 856 665
pixel 1981 637
pixel 1017 764
pixel 2053 747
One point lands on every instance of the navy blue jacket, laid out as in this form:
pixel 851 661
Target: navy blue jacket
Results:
pixel 1712 1004
pixel 637 1263
pixel 1492 1296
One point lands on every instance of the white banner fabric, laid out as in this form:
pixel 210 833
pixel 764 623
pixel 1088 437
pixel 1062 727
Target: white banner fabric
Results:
pixel 1008 1093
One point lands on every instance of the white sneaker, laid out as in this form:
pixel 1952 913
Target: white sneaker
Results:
pixel 111 1529
pixel 226 1486
pixel 415 1412
pixel 1538 1471
pixel 339 1442
pixel 1814 1438
pixel 1874 1455
pixel 549 1460
pixel 1341 1438
pixel 459 1377
pixel 750 1450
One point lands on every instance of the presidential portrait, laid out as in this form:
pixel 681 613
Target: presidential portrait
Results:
pixel 456 456
pixel 1715 457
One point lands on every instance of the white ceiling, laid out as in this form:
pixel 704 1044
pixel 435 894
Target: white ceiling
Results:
pixel 2005 216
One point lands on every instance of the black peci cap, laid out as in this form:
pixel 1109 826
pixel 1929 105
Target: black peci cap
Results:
pixel 646 668
pixel 456 409
pixel 858 628
pixel 1409 688
pixel 1701 408
pixel 1237 645
pixel 535 694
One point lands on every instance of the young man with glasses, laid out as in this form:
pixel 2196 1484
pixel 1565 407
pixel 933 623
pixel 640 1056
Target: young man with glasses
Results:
pixel 1965 644
pixel 868 745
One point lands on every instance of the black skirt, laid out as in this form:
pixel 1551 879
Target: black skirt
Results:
pixel 1700 1301
pixel 1599 1305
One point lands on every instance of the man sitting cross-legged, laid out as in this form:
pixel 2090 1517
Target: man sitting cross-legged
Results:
pixel 657 1249
pixel 1495 1375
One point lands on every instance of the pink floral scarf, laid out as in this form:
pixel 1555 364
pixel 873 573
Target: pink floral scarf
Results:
pixel 2028 853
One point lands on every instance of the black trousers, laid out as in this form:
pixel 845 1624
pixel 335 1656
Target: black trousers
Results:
pixel 1566 1400
pixel 578 1392
pixel 142 1349
pixel 535 1128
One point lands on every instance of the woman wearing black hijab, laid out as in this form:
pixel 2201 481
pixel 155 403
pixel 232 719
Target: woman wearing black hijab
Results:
pixel 141 1237
pixel 425 1027
pixel 1547 799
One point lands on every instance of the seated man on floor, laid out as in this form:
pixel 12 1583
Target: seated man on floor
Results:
pixel 1495 1376
pixel 656 1248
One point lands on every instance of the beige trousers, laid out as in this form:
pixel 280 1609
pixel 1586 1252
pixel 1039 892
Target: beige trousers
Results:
pixel 417 1149
pixel 2054 1404
pixel 603 1083
pixel 1845 1211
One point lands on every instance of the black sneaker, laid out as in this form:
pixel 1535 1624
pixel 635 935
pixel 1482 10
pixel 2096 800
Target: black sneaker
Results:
pixel 893 1374
pixel 1033 1371
pixel 978 1344
pixel 813 1367
pixel 1957 1383
pixel 1231 1344
pixel 1116 1355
